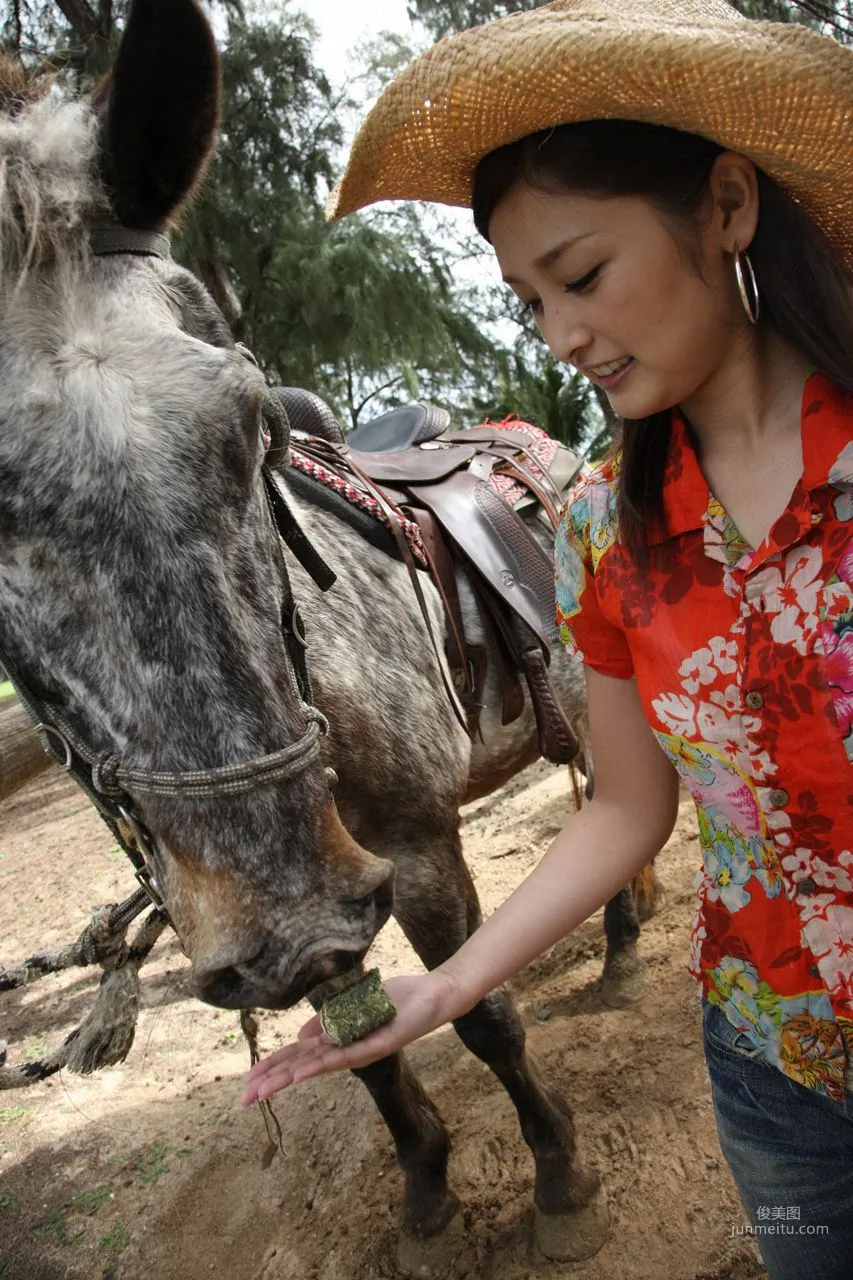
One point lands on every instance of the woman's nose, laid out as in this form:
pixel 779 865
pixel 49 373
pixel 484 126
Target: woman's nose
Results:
pixel 565 334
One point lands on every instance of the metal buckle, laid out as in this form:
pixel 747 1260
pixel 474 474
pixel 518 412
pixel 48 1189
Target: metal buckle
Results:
pixel 297 628
pixel 69 755
pixel 148 884
pixel 142 839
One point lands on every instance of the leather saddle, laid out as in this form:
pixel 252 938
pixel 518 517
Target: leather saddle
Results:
pixel 409 461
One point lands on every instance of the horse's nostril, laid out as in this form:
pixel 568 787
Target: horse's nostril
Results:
pixel 384 899
pixel 225 988
pixel 230 986
pixel 380 899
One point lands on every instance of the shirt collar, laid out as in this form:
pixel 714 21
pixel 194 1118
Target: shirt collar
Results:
pixel 827 435
pixel 827 426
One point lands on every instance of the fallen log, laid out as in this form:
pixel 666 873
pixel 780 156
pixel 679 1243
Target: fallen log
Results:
pixel 21 754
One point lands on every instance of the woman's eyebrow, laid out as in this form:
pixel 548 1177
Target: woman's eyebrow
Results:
pixel 550 255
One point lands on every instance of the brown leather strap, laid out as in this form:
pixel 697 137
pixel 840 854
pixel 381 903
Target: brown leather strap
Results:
pixel 498 544
pixel 557 740
pixel 444 575
pixel 501 652
pixel 521 473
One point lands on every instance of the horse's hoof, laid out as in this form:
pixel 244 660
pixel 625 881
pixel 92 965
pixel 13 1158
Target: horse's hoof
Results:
pixel 431 1257
pixel 573 1236
pixel 624 980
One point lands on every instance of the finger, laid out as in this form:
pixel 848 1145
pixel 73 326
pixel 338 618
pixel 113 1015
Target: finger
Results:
pixel 322 1057
pixel 379 1044
pixel 274 1077
pixel 290 1073
pixel 286 1052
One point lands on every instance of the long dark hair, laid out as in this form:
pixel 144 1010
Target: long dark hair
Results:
pixel 806 293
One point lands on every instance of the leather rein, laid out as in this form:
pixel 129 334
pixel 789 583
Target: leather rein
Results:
pixel 111 785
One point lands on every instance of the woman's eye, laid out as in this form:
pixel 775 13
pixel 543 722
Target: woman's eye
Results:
pixel 585 282
pixel 531 308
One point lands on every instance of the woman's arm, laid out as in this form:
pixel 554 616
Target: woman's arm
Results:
pixel 595 854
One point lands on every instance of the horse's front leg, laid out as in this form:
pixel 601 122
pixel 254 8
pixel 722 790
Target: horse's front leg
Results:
pixel 422 1146
pixel 437 917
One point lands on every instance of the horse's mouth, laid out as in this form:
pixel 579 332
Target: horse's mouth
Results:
pixel 232 989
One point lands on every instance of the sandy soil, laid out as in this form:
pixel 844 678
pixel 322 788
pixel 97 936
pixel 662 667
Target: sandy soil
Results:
pixel 147 1171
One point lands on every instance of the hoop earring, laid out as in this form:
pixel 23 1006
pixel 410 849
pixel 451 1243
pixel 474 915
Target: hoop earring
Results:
pixel 751 306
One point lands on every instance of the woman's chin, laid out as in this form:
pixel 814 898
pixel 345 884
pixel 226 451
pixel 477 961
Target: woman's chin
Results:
pixel 632 404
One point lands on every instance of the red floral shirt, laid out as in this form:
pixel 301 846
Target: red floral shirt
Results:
pixel 744 664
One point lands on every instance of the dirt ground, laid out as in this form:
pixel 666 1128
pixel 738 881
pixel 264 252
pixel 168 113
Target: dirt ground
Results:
pixel 147 1171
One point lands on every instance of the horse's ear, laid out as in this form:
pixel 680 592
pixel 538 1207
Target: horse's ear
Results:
pixel 159 110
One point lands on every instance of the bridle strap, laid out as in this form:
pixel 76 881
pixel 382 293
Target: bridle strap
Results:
pixel 223 780
pixel 107 240
pixel 295 537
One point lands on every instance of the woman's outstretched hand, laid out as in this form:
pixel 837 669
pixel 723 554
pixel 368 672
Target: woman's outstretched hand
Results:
pixel 424 1002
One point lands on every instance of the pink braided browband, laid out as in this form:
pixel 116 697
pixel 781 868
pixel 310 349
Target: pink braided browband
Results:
pixel 542 446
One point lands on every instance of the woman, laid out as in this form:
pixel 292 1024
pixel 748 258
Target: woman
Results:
pixel 692 254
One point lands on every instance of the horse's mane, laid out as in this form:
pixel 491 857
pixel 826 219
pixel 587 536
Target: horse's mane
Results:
pixel 49 187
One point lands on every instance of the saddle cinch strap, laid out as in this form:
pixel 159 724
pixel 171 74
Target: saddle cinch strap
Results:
pixel 447 480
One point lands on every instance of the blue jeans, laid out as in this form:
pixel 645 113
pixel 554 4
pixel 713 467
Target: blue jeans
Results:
pixel 790 1151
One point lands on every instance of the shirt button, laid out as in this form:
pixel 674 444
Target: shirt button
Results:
pixel 754 700
pixel 778 798
pixel 806 886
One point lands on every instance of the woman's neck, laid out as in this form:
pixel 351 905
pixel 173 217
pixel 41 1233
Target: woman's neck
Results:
pixel 746 430
pixel 753 402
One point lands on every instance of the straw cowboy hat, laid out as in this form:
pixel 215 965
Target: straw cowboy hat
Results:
pixel 776 92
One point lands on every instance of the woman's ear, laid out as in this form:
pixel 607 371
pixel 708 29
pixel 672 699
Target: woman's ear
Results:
pixel 734 193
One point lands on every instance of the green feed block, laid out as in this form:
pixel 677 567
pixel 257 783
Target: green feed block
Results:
pixel 357 1010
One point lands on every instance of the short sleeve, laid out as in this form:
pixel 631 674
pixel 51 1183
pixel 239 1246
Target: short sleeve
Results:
pixel 586 530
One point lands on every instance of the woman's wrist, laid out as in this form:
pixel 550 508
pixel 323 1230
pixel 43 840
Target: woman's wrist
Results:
pixel 456 996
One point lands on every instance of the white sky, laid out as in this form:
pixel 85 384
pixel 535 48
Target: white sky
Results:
pixel 344 23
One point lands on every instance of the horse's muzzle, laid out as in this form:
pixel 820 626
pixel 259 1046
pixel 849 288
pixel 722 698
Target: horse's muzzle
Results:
pixel 273 979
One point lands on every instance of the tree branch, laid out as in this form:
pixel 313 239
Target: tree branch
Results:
pixel 376 391
pixel 82 18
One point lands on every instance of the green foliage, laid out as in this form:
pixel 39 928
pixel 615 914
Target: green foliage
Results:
pixel 361 312
pixel 57 1230
pixel 34 1048
pixel 551 396
pixel 76 38
pixel 15 1114
pixel 440 17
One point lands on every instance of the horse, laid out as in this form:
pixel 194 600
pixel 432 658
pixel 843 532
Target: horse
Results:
pixel 149 610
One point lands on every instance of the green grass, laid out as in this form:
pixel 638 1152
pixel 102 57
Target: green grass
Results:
pixel 92 1199
pixel 34 1048
pixel 14 1115
pixel 153 1161
pixel 6 689
pixel 56 1230
pixel 115 1240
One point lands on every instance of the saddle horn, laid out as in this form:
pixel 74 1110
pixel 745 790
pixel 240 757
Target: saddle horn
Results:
pixel 309 413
